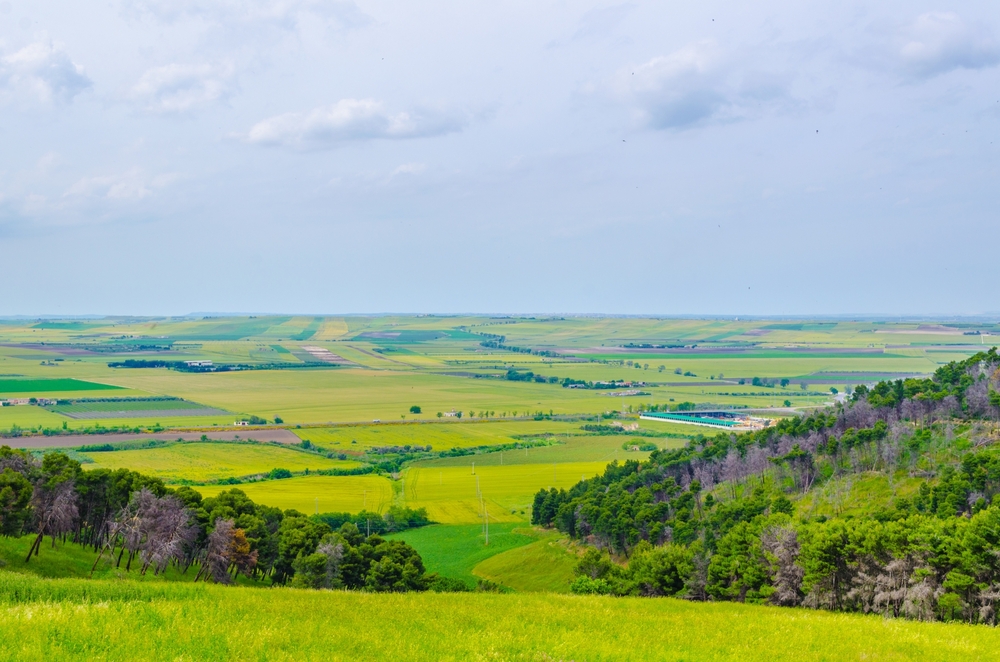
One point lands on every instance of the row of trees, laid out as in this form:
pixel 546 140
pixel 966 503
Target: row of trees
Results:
pixel 713 520
pixel 135 522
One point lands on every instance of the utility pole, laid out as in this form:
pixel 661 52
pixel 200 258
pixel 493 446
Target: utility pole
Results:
pixel 487 513
pixel 474 470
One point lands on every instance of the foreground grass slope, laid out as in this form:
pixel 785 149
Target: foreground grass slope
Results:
pixel 78 619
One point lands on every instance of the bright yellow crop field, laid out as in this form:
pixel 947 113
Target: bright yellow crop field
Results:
pixel 309 494
pixel 450 493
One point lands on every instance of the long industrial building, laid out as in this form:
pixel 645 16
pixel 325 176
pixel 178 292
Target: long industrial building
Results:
pixel 724 419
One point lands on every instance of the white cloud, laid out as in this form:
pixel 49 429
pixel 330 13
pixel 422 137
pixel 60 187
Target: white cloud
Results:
pixel 128 186
pixel 283 13
pixel 42 71
pixel 178 88
pixel 410 169
pixel 938 42
pixel 695 85
pixel 349 120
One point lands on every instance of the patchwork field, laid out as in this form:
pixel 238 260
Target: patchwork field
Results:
pixel 201 462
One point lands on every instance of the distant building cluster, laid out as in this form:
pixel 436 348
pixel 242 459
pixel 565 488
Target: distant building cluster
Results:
pixel 12 402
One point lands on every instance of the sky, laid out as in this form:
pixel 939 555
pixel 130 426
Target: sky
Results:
pixel 160 157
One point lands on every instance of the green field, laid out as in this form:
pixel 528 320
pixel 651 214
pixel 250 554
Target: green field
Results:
pixel 12 386
pixel 133 408
pixel 454 550
pixel 309 494
pixel 79 619
pixel 545 566
pixel 202 462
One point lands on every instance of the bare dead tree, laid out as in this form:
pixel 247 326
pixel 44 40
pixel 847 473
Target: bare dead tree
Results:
pixel 167 531
pixel 227 548
pixel 732 470
pixel 781 545
pixel 55 511
pixel 216 562
pixel 334 553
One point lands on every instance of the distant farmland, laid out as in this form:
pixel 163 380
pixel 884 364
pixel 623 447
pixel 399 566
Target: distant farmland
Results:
pixel 133 408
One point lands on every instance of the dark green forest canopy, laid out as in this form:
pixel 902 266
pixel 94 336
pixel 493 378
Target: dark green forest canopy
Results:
pixel 714 519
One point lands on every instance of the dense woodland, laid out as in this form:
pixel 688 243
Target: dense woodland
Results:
pixel 717 520
pixel 138 524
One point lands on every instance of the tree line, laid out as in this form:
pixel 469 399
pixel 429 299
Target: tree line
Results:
pixel 136 523
pixel 714 521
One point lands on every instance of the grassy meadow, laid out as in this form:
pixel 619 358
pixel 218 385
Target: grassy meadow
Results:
pixel 79 619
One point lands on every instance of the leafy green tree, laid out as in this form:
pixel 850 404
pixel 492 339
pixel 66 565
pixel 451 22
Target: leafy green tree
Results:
pixel 15 499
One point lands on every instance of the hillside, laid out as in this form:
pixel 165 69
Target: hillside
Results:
pixel 74 619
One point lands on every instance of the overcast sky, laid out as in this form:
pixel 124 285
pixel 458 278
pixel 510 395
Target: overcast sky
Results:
pixel 324 156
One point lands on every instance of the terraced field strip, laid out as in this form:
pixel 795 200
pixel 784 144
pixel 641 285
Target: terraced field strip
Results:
pixel 324 355
pixel 77 440
pixel 439 436
pixel 451 495
pixel 134 409
pixel 199 461
pixel 306 494
pixel 12 386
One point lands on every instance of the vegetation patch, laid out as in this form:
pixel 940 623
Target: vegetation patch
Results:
pixel 11 386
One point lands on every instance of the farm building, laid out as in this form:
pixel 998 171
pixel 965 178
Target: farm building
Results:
pixel 724 419
pixel 198 364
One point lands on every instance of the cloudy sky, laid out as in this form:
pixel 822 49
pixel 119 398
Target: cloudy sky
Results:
pixel 325 156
